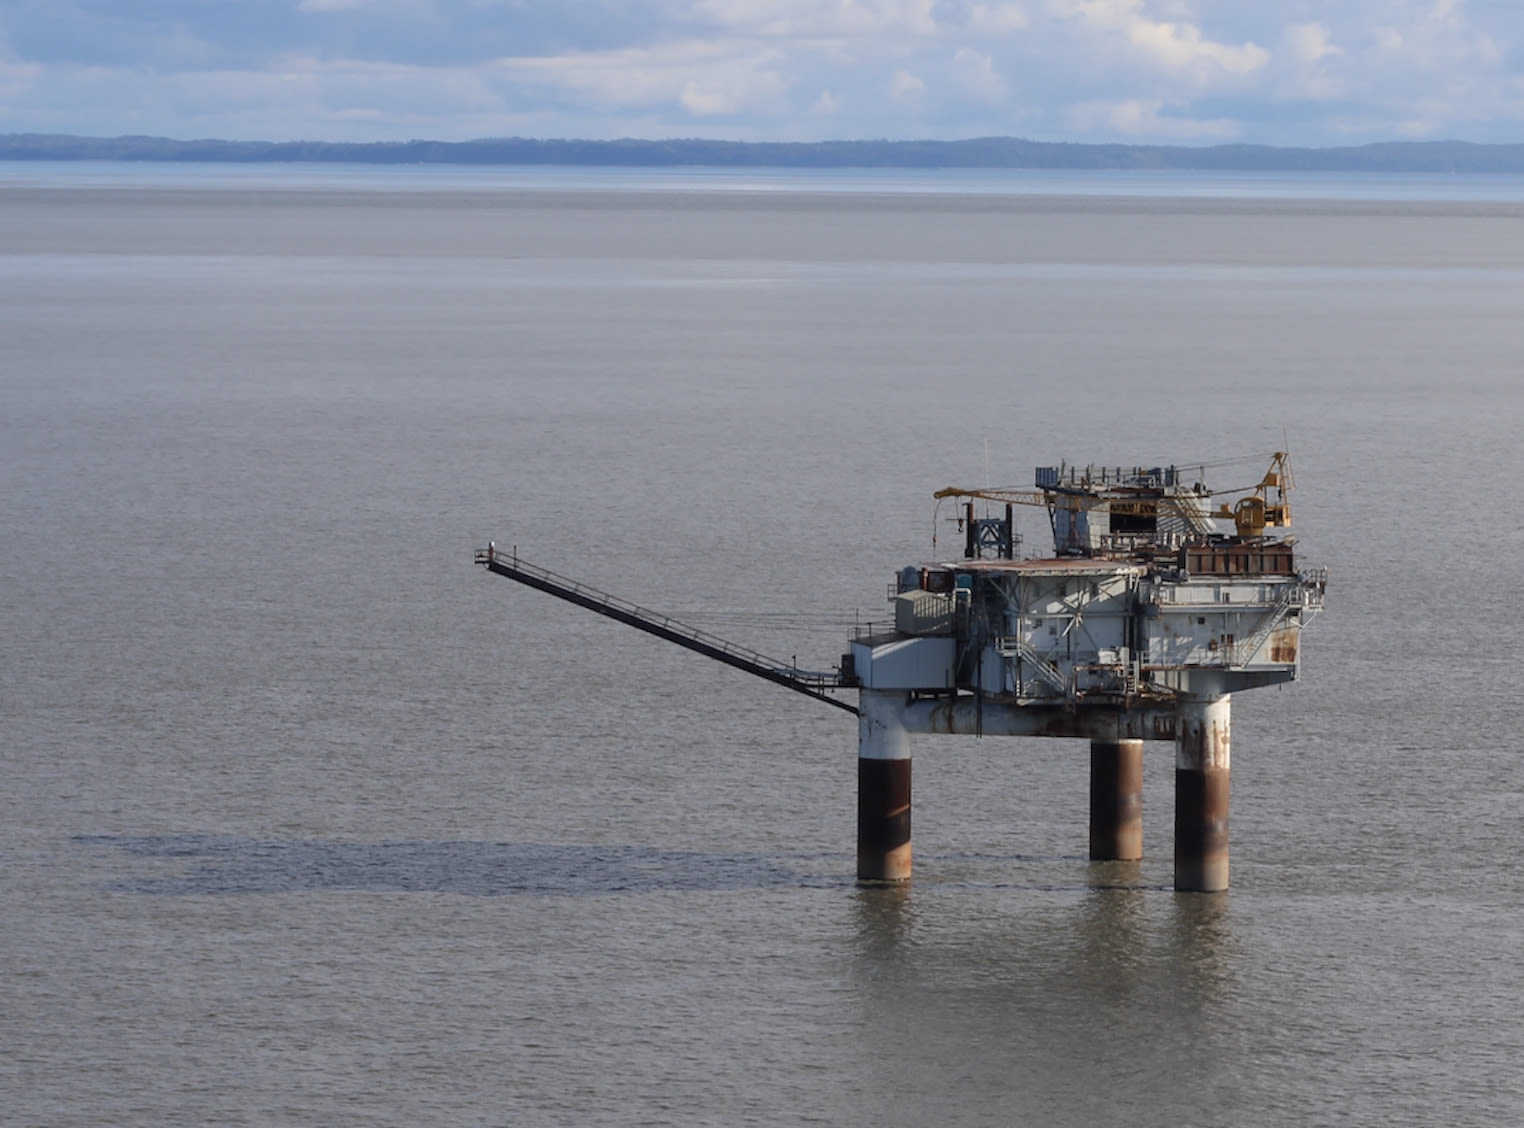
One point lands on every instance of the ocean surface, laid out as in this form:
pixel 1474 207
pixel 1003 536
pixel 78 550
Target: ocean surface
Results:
pixel 306 820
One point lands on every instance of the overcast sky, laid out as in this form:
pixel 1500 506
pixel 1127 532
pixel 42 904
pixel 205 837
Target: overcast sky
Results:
pixel 1293 72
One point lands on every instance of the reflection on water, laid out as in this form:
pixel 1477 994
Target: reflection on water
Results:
pixel 1203 944
pixel 1116 875
pixel 1111 934
pixel 1050 1006
pixel 885 918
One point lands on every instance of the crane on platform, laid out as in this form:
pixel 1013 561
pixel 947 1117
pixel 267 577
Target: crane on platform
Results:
pixel 1268 506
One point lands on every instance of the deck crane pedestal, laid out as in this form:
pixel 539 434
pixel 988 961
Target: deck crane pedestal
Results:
pixel 1143 622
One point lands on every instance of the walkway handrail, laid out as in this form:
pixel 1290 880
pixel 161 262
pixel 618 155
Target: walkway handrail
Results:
pixel 811 683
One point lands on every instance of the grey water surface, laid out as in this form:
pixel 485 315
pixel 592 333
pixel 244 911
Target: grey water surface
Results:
pixel 306 820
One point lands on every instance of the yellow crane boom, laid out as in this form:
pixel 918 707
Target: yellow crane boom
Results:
pixel 1269 506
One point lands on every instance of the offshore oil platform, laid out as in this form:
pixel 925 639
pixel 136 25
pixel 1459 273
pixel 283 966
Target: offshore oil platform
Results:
pixel 1158 602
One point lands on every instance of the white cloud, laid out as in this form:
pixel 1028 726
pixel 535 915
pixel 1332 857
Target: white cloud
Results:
pixel 377 7
pixel 1447 11
pixel 812 18
pixel 1429 68
pixel 906 87
pixel 18 79
pixel 705 100
pixel 1176 46
pixel 976 74
pixel 997 19
pixel 1441 36
pixel 1315 66
pixel 704 79
pixel 826 105
pixel 331 5
pixel 1309 42
pixel 1141 118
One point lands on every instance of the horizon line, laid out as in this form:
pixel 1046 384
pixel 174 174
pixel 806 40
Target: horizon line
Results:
pixel 692 140
pixel 990 152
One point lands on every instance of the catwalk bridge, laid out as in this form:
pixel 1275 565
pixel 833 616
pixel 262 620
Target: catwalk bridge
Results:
pixel 787 674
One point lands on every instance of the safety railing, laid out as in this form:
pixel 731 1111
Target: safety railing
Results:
pixel 813 683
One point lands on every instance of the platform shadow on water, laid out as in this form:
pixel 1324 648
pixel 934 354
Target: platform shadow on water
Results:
pixel 209 865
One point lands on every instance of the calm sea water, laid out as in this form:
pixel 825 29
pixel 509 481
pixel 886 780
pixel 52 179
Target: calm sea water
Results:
pixel 307 821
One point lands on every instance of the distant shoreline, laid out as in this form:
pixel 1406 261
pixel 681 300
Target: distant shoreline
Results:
pixel 985 153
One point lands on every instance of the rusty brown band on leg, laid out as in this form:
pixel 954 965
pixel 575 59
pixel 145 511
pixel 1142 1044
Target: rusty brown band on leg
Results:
pixel 1116 800
pixel 883 820
pixel 1201 830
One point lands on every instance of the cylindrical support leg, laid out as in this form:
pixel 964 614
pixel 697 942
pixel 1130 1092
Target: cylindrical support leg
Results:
pixel 1201 795
pixel 1116 800
pixel 883 789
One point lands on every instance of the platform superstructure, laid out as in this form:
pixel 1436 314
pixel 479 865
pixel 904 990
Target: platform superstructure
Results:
pixel 1148 595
